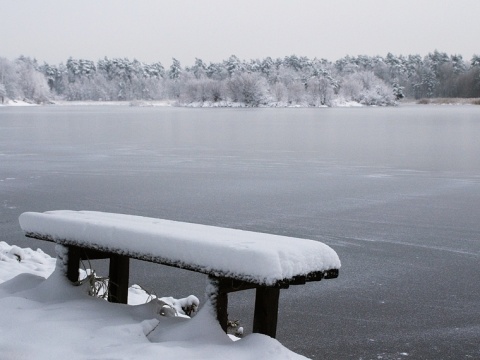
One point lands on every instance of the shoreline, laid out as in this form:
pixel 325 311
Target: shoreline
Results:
pixel 448 101
pixel 230 104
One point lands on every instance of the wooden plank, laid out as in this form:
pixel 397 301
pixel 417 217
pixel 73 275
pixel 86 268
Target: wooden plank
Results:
pixel 298 280
pixel 119 271
pixel 228 285
pixel 266 311
pixel 331 274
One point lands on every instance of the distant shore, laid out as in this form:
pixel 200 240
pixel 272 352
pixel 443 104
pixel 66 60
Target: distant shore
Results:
pixel 173 103
pixel 227 104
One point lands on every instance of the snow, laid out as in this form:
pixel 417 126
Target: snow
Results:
pixel 8 102
pixel 23 260
pixel 250 256
pixel 341 102
pixel 140 103
pixel 51 319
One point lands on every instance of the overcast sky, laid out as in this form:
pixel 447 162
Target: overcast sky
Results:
pixel 157 30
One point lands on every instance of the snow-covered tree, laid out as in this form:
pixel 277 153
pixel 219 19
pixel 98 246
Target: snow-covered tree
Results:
pixel 319 91
pixel 267 67
pixel 279 93
pixel 9 78
pixel 155 70
pixel 458 64
pixel 346 65
pixel 175 69
pixel 199 69
pixel 293 80
pixel 250 89
pixel 365 88
pixel 233 65
pixel 78 68
pixel 398 91
pixel 30 81
pixel 3 93
pixel 296 93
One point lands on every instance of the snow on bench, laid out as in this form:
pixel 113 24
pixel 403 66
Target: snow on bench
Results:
pixel 236 259
pixel 244 255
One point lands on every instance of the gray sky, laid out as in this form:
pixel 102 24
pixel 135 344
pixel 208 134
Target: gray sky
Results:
pixel 157 30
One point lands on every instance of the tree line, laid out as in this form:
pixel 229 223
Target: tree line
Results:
pixel 288 81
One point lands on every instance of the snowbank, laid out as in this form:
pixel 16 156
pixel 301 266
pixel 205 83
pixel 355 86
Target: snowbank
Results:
pixel 340 102
pixel 135 103
pixel 250 256
pixel 51 319
pixel 15 260
pixel 8 102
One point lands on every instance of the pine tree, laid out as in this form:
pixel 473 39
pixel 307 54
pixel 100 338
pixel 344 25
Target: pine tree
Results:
pixel 175 69
pixel 398 91
pixel 199 69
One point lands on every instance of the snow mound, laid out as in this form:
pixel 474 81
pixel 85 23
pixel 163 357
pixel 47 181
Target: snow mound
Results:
pixel 49 318
pixel 16 260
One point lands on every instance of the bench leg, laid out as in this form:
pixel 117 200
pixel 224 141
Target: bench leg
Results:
pixel 119 270
pixel 218 296
pixel 222 310
pixel 73 263
pixel 266 311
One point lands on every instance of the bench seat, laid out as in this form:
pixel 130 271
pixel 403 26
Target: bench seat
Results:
pixel 244 255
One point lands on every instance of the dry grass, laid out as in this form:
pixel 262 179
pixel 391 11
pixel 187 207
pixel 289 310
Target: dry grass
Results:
pixel 423 101
pixel 450 101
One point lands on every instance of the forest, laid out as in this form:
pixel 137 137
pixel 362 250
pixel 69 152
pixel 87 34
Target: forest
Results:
pixel 288 81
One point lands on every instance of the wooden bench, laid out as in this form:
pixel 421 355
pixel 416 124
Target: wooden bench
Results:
pixel 233 259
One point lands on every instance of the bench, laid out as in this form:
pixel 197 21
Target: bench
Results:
pixel 233 259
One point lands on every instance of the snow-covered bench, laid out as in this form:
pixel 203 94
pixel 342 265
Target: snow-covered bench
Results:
pixel 233 259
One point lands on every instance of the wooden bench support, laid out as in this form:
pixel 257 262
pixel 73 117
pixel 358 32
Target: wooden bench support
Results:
pixel 73 263
pixel 217 293
pixel 119 271
pixel 265 316
pixel 266 303
pixel 221 306
pixel 266 311
pixel 266 298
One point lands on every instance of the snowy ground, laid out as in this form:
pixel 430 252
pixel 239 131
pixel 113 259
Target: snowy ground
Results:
pixel 8 102
pixel 140 103
pixel 162 103
pixel 45 317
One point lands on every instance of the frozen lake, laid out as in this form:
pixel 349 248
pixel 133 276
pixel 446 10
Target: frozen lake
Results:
pixel 395 191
